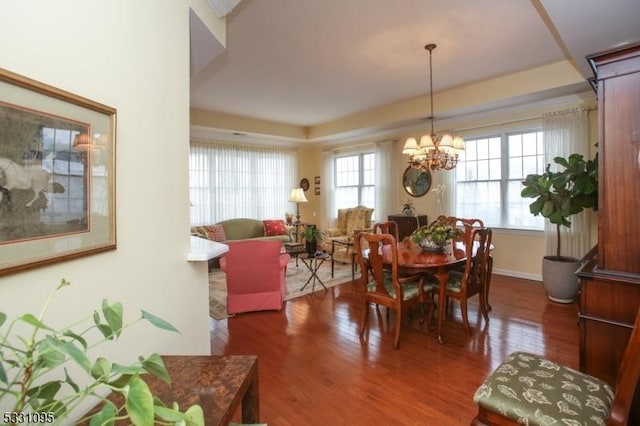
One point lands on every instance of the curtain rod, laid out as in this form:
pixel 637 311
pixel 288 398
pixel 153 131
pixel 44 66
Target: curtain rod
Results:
pixel 521 120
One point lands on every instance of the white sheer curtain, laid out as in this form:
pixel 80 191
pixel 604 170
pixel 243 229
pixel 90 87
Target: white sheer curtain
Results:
pixel 565 133
pixel 229 181
pixel 326 197
pixel 385 173
pixel 450 193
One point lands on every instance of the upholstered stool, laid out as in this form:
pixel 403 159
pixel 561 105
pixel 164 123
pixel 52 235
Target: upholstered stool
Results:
pixel 529 389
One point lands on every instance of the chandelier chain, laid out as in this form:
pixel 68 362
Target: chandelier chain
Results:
pixel 433 152
pixel 430 48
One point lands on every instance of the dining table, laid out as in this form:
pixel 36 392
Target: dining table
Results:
pixel 412 259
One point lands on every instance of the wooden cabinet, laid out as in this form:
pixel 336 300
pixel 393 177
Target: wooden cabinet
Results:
pixel 618 77
pixel 608 306
pixel 610 279
pixel 407 224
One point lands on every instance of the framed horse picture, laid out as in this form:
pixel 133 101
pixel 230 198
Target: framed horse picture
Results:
pixel 57 175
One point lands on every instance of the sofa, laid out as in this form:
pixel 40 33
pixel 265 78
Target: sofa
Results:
pixel 245 229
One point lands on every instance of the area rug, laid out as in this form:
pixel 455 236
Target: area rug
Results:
pixel 296 277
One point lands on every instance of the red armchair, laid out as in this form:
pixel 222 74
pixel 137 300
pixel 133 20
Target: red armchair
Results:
pixel 255 275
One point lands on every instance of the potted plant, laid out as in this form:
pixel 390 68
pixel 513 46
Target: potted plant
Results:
pixel 558 196
pixel 407 208
pixel 37 387
pixel 434 236
pixel 311 235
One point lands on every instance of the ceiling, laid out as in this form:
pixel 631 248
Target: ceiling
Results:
pixel 310 62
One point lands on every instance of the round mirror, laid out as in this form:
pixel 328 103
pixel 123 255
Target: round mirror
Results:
pixel 416 182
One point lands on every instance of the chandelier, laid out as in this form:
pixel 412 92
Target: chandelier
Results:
pixel 433 152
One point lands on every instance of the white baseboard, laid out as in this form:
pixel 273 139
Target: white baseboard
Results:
pixel 517 274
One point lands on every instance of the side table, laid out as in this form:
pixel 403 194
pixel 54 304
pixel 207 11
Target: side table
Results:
pixel 313 263
pixel 349 245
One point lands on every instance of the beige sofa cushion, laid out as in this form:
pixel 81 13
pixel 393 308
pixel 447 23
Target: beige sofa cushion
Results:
pixel 341 222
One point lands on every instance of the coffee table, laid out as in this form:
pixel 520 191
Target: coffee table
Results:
pixel 313 263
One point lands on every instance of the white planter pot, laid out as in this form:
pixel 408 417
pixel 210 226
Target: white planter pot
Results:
pixel 559 278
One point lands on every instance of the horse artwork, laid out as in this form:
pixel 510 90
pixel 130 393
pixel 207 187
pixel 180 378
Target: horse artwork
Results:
pixel 15 176
pixel 23 192
pixel 57 174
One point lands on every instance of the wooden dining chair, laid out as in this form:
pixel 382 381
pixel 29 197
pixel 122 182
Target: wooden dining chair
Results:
pixel 381 283
pixel 389 227
pixel 466 225
pixel 530 389
pixel 471 281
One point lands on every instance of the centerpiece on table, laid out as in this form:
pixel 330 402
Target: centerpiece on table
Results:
pixel 434 237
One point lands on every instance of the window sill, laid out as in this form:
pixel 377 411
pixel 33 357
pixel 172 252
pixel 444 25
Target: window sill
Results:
pixel 518 231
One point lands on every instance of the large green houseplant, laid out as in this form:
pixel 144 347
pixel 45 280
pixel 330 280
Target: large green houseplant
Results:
pixel 36 360
pixel 558 196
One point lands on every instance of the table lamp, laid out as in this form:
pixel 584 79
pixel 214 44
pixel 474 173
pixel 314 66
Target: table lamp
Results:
pixel 297 196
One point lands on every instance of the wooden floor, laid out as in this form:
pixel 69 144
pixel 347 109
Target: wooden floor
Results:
pixel 315 370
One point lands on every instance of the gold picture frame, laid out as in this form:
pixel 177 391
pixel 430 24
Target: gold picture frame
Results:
pixel 57 175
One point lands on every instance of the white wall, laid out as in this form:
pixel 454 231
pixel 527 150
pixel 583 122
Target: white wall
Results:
pixel 134 56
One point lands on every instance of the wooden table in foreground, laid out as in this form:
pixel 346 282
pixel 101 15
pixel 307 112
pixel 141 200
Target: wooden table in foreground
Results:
pixel 219 384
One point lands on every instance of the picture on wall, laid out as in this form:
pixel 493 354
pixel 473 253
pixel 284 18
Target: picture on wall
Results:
pixel 57 174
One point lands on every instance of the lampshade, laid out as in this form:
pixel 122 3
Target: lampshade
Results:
pixel 426 142
pixel 82 142
pixel 410 146
pixel 297 196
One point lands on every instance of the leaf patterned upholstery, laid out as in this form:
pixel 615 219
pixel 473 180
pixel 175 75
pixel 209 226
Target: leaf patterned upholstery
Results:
pixel 409 289
pixel 532 390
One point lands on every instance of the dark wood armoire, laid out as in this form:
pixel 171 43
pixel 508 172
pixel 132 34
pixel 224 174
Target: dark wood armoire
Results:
pixel 610 280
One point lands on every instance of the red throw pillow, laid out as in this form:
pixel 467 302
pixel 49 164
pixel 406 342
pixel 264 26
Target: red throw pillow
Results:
pixel 215 233
pixel 274 227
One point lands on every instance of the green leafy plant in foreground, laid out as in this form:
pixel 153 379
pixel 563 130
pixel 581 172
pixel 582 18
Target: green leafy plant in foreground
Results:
pixel 30 360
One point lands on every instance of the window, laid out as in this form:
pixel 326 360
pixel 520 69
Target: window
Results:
pixel 68 169
pixel 489 179
pixel 355 180
pixel 230 181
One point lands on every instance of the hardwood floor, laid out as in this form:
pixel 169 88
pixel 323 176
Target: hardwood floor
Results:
pixel 314 370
